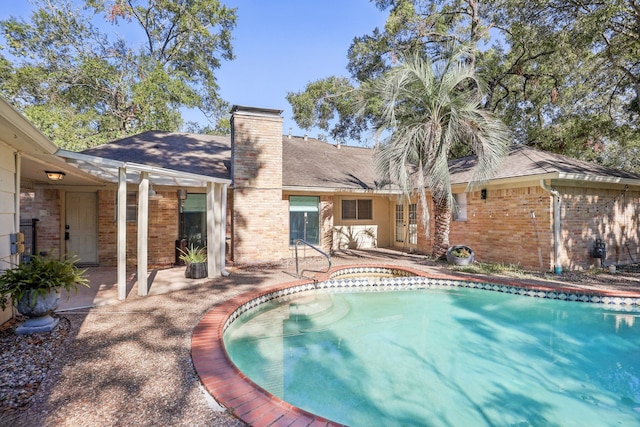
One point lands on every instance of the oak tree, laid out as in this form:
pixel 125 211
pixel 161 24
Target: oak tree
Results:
pixel 93 72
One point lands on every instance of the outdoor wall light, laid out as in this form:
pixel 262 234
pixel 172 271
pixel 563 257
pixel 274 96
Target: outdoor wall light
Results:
pixel 55 175
pixel 153 195
pixel 182 196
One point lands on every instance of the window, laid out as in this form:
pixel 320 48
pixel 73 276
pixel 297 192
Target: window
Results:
pixel 193 219
pixel 460 209
pixel 304 219
pixel 357 209
pixel 132 206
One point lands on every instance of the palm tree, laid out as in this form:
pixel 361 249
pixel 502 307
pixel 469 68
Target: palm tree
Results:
pixel 428 109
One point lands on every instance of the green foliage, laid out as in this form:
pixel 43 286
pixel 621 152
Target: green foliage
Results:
pixel 40 275
pixel 430 108
pixel 461 252
pixel 563 75
pixel 193 254
pixel 83 86
pixel 326 103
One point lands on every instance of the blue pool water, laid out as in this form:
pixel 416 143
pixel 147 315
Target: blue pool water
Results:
pixel 444 357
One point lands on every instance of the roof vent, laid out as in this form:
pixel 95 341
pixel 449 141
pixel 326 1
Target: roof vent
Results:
pixel 289 136
pixel 305 137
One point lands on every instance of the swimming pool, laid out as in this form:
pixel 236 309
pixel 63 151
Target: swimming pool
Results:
pixel 493 358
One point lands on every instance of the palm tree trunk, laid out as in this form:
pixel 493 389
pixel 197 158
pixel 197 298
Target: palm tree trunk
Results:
pixel 442 219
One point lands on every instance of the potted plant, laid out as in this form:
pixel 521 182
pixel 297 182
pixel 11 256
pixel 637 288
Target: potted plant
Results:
pixel 34 289
pixel 196 260
pixel 460 255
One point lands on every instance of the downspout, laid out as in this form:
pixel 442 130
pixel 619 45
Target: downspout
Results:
pixel 556 225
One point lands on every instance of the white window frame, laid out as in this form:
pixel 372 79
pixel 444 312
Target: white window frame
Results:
pixel 460 209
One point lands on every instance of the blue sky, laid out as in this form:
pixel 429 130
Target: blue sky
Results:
pixel 280 46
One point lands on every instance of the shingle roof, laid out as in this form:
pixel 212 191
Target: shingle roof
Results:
pixel 314 164
pixel 206 155
pixel 309 163
pixel 524 161
pixel 317 164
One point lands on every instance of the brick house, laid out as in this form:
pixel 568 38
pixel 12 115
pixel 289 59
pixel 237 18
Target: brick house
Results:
pixel 541 211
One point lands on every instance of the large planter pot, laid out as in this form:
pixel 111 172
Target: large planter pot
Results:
pixel 458 260
pixel 196 270
pixel 38 312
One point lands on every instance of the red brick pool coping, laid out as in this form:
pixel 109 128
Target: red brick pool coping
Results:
pixel 256 406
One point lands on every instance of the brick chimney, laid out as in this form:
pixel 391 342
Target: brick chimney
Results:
pixel 260 215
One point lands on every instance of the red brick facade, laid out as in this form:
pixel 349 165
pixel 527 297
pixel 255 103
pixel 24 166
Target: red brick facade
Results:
pixel 163 230
pixel 596 213
pixel 510 226
pixel 44 205
pixel 515 226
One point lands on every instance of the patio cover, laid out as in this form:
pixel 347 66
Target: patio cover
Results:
pixel 123 173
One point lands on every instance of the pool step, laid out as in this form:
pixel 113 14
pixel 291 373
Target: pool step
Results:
pixel 317 313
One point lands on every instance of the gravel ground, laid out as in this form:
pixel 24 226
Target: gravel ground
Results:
pixel 129 364
pixel 126 364
pixel 25 361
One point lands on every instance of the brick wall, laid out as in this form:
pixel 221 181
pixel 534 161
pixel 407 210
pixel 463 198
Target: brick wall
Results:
pixel 588 214
pixel 510 226
pixel 515 226
pixel 256 150
pixel 43 204
pixel 107 228
pixel 260 220
pixel 260 214
pixel 163 230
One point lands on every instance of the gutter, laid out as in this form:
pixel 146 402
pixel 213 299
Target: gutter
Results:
pixel 332 190
pixel 556 225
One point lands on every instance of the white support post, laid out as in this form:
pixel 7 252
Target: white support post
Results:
pixel 223 228
pixel 143 233
pixel 121 221
pixel 217 219
pixel 213 267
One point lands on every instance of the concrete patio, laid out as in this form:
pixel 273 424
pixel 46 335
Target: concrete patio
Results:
pixel 103 280
pixel 103 288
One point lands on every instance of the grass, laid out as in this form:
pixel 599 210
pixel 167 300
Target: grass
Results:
pixel 512 270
